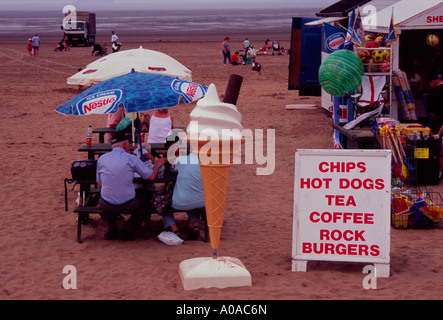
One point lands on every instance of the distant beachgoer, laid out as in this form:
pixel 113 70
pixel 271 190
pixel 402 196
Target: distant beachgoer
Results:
pixel 234 59
pixel 65 42
pixel 246 44
pixel 226 51
pixel 256 66
pixel 30 47
pixel 98 50
pixel 115 45
pixel 114 37
pixel 35 44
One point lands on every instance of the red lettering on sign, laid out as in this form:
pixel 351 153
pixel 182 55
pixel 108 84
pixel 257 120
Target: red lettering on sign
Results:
pixel 341 166
pixel 340 249
pixel 315 183
pixel 345 217
pixel 340 200
pixel 434 19
pixel 337 235
pixel 367 184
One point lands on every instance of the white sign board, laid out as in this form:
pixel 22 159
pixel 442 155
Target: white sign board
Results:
pixel 342 207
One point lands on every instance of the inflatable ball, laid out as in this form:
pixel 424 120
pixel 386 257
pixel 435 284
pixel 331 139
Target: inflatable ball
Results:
pixel 341 72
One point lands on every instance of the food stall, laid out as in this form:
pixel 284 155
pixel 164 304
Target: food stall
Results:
pixel 402 125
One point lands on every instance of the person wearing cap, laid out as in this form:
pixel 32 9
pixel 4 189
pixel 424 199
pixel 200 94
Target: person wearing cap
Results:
pixel 115 175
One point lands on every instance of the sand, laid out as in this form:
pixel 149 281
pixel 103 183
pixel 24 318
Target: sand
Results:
pixel 38 237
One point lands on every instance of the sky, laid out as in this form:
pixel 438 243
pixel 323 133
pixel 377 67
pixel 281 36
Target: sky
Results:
pixel 85 5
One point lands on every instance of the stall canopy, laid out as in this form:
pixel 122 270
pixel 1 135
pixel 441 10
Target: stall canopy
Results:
pixel 408 15
pixel 341 8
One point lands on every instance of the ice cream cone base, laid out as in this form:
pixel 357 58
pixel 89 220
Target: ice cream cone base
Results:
pixel 215 179
pixel 220 273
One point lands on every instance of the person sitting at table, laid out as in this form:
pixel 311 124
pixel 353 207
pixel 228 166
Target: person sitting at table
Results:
pixel 115 175
pixel 187 195
pixel 160 125
pixel 112 121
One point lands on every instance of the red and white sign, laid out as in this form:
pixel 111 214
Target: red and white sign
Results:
pixel 429 20
pixel 342 207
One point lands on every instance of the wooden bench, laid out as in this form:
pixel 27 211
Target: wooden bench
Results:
pixel 83 217
pixel 89 205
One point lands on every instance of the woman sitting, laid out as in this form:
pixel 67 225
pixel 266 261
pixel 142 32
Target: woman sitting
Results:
pixel 160 126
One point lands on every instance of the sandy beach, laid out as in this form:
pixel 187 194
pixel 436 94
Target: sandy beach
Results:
pixel 38 236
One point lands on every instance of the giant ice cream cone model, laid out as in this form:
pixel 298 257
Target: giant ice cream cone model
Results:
pixel 215 134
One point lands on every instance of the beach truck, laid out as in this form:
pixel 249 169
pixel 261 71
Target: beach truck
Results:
pixel 79 27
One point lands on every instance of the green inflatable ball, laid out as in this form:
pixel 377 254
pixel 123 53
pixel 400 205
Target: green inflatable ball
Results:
pixel 341 71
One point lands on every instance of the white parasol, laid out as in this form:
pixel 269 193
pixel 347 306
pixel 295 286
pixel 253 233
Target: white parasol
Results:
pixel 122 62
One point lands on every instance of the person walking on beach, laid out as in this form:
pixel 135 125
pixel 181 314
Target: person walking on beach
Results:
pixel 114 37
pixel 226 51
pixel 35 44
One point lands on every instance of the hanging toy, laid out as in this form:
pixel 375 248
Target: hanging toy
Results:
pixel 432 40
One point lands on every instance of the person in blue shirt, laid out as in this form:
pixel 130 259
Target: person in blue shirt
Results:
pixel 115 175
pixel 187 195
pixel 226 50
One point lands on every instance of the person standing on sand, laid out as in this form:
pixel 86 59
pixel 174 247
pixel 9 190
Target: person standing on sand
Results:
pixel 30 46
pixel 35 44
pixel 226 51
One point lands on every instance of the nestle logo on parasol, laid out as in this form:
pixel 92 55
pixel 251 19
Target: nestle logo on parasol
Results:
pixel 99 103
pixel 88 107
pixel 191 90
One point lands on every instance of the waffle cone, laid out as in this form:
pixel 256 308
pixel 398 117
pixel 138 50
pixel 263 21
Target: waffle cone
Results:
pixel 215 164
pixel 215 179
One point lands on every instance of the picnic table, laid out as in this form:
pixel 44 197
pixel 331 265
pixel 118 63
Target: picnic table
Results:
pixel 102 131
pixel 90 194
pixel 101 148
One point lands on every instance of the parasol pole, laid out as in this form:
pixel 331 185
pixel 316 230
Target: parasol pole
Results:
pixel 140 136
pixel 133 129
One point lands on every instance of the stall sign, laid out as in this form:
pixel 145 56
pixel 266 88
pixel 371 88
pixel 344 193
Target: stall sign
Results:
pixel 342 207
pixel 430 19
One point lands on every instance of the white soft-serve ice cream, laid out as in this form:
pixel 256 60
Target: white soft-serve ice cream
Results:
pixel 212 119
